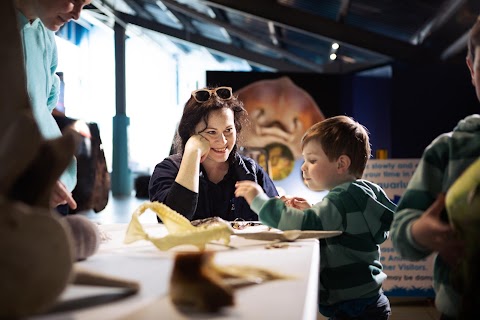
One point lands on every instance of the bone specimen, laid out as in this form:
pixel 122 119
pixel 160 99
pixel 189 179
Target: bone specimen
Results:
pixel 198 283
pixel 181 231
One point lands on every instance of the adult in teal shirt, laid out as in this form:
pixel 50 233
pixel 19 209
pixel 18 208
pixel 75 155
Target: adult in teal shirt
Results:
pixel 38 20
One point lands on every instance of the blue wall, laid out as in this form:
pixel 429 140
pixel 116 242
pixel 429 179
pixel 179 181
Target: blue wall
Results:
pixel 368 100
pixel 428 100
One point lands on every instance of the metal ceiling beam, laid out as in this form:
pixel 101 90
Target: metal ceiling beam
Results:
pixel 139 9
pixel 218 46
pixel 456 47
pixel 446 11
pixel 242 34
pixel 182 19
pixel 343 10
pixel 302 21
pixel 449 35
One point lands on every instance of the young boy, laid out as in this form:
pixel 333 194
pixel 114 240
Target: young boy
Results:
pixel 420 227
pixel 336 151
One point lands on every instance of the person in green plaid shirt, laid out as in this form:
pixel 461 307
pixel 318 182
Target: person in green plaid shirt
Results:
pixel 421 226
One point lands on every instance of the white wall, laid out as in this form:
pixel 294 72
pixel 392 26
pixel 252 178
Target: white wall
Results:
pixel 153 86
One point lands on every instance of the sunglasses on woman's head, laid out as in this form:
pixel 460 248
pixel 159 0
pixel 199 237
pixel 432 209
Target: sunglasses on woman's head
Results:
pixel 202 95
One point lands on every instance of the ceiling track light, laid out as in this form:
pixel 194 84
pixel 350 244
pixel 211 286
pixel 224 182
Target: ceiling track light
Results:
pixel 333 51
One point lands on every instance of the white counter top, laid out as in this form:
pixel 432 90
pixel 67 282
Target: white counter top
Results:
pixel 142 262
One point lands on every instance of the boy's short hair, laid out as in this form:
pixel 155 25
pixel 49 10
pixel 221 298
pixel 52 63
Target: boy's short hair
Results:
pixel 473 40
pixel 341 135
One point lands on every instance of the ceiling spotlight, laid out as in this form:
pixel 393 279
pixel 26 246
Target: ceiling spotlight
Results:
pixel 335 46
pixel 333 56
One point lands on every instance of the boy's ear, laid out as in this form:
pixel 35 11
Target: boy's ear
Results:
pixel 343 163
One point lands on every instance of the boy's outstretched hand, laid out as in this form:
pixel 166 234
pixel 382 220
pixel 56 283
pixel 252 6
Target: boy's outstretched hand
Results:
pixel 432 233
pixel 296 202
pixel 247 189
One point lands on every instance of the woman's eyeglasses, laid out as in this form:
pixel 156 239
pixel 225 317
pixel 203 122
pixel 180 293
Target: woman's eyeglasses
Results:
pixel 202 95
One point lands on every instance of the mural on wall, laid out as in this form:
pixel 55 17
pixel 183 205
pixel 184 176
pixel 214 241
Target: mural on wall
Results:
pixel 281 107
pixel 280 112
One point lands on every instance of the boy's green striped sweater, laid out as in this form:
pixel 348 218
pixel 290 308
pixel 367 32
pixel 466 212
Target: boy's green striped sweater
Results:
pixel 350 265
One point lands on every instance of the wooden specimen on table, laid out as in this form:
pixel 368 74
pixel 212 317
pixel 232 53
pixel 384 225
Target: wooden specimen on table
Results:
pixel 86 236
pixel 195 284
pixel 36 249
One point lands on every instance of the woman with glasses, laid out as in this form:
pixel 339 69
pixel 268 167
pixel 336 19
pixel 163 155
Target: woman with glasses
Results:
pixel 199 180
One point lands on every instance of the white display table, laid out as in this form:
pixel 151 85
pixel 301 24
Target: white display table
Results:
pixel 142 262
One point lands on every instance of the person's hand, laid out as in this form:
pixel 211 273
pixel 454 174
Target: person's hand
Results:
pixel 296 202
pixel 198 143
pixel 60 195
pixel 247 189
pixel 430 232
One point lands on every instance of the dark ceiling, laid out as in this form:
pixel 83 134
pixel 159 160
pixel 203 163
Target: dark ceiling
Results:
pixel 297 35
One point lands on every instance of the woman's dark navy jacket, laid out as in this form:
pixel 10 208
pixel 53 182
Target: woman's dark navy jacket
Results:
pixel 213 200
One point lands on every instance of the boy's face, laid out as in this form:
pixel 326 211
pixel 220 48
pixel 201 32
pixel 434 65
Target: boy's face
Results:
pixel 474 67
pixel 55 13
pixel 319 173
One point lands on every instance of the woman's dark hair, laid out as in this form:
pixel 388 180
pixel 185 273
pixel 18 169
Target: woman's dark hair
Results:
pixel 196 112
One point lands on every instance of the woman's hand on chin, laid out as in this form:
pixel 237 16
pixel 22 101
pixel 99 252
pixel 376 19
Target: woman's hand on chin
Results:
pixel 198 144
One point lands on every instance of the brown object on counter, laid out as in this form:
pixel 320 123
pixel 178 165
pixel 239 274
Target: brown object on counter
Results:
pixel 209 221
pixel 36 260
pixel 86 236
pixel 90 278
pixel 36 247
pixel 196 284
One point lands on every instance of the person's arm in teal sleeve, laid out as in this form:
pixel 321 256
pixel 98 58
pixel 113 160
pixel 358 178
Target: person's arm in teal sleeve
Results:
pixel 61 193
pixel 55 80
pixel 54 93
